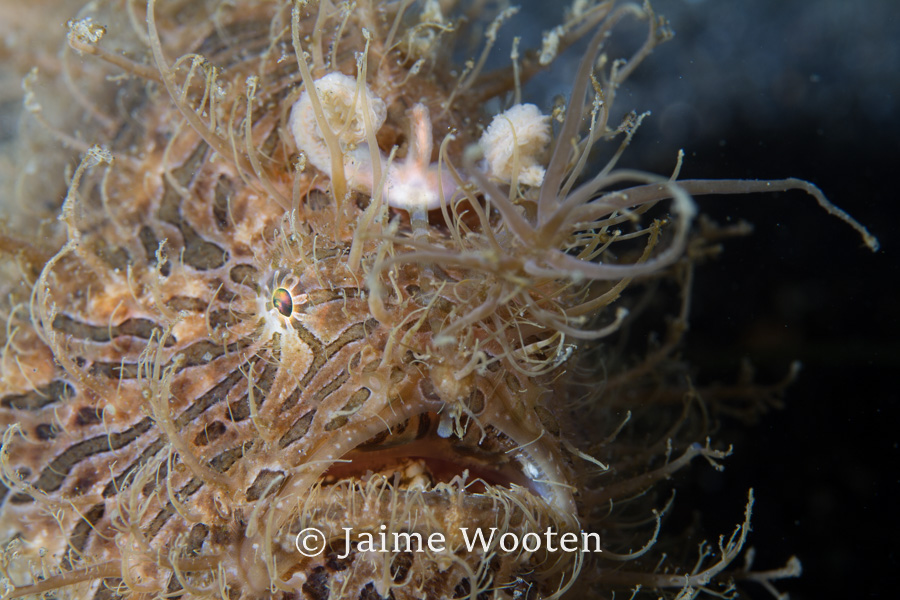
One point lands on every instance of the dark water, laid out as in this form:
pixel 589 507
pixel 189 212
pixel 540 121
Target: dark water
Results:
pixel 779 88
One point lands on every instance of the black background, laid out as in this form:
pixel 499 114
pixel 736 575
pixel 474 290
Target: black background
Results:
pixel 770 89
pixel 791 88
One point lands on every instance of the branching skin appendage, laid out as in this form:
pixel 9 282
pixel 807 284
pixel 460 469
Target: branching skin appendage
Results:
pixel 414 185
pixel 302 277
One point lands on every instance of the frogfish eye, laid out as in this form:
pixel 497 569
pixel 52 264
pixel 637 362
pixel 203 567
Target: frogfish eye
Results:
pixel 282 302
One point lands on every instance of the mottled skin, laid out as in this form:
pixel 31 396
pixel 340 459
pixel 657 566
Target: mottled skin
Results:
pixel 180 397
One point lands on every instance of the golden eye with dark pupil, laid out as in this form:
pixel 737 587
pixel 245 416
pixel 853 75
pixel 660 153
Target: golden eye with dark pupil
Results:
pixel 282 302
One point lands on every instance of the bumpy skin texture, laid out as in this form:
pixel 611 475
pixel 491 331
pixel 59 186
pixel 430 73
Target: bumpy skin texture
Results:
pixel 170 428
pixel 168 425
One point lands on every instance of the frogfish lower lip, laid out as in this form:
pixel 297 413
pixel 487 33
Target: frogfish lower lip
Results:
pixel 531 463
pixel 386 469
pixel 443 458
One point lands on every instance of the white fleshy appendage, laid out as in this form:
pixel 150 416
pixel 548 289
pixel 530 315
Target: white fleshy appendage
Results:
pixel 413 184
pixel 521 126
